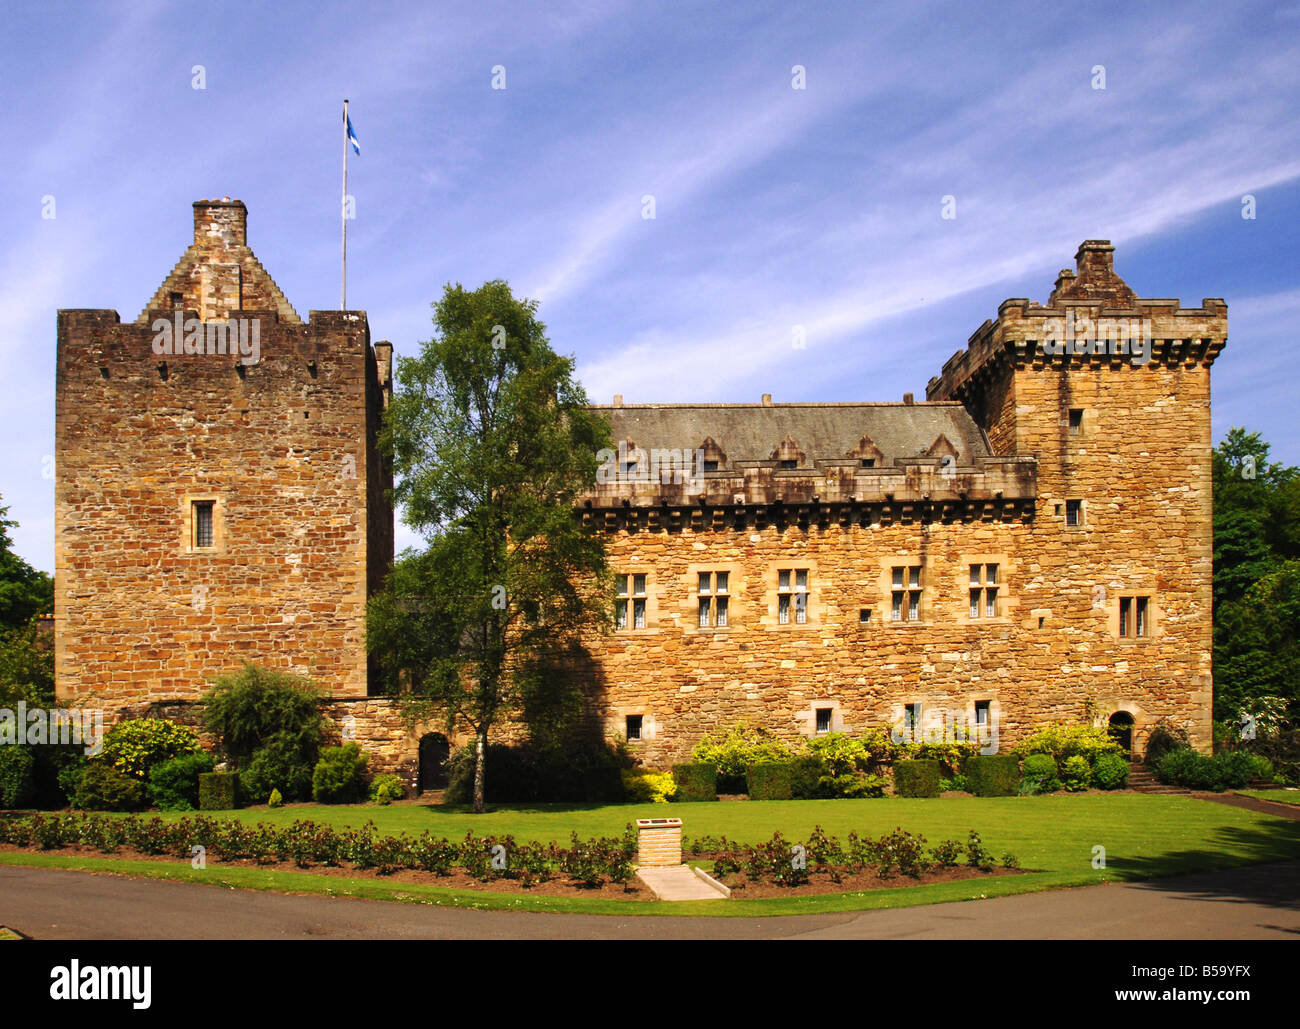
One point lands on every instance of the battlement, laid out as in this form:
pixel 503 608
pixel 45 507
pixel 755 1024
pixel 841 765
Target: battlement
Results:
pixel 1091 319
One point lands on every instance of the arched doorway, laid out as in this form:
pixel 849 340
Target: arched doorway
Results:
pixel 1120 729
pixel 434 751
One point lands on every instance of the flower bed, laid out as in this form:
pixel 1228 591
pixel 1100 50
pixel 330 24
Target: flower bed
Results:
pixel 822 864
pixel 476 862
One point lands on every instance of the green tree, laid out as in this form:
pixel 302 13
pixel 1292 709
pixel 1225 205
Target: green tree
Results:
pixel 26 666
pixel 493 444
pixel 1256 575
pixel 24 591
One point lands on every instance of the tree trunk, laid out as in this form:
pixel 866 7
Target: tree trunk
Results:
pixel 480 759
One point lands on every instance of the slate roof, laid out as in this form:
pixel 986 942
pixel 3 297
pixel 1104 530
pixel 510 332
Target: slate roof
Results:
pixel 753 432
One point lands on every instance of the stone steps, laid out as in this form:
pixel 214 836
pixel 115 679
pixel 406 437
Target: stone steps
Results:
pixel 680 882
pixel 1142 780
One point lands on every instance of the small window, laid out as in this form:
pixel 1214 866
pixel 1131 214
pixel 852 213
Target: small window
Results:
pixel 177 301
pixel 1134 617
pixel 983 591
pixel 710 466
pixel 203 523
pixel 1076 421
pixel 823 719
pixel 982 712
pixel 911 717
pixel 634 727
pixel 795 599
pixel 1074 513
pixel 906 594
pixel 711 593
pixel 788 465
pixel 864 615
pixel 868 462
pixel 631 599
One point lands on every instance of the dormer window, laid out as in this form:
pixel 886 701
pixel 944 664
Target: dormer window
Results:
pixel 789 465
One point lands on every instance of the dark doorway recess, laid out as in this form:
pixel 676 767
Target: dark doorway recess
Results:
pixel 434 751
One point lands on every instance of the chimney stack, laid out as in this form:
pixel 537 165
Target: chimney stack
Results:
pixel 908 399
pixel 221 222
pixel 767 399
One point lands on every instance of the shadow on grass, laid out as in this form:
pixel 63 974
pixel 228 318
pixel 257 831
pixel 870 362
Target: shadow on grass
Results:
pixel 1271 877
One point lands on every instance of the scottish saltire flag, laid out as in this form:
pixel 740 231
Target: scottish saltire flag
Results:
pixel 352 136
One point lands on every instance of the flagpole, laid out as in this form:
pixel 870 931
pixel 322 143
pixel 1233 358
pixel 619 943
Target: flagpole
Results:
pixel 343 208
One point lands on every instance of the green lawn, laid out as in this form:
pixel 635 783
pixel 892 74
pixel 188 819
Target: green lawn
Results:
pixel 1054 837
pixel 1276 796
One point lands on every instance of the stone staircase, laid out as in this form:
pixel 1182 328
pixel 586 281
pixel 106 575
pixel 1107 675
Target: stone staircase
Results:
pixel 1142 780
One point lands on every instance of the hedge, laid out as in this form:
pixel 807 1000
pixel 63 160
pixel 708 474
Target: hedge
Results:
pixel 770 780
pixel 918 778
pixel 696 782
pixel 17 776
pixel 218 791
pixel 993 775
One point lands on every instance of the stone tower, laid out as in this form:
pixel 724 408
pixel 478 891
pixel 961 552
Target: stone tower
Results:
pixel 220 496
pixel 1111 394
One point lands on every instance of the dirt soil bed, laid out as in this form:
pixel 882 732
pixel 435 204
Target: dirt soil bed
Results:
pixel 853 882
pixel 559 886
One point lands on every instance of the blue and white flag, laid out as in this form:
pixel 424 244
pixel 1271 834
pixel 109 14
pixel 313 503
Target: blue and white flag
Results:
pixel 352 136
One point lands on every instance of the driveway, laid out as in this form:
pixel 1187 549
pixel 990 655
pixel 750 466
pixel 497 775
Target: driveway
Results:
pixel 1256 902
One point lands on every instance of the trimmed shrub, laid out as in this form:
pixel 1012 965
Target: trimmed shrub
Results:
pixel 993 775
pixel 1110 772
pixel 646 786
pixel 952 757
pixel 1076 773
pixel 805 775
pixel 1066 741
pixel 218 791
pixel 340 775
pixel 101 787
pixel 17 777
pixel 919 778
pixel 733 750
pixel 1196 771
pixel 1040 775
pixel 695 782
pixel 580 773
pixel 279 764
pixel 771 780
pixel 386 789
pixel 838 766
pixel 137 745
pixel 275 800
pixel 1164 738
pixel 174 784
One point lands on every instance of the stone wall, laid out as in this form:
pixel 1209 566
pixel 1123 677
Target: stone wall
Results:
pixel 1139 464
pixel 281 445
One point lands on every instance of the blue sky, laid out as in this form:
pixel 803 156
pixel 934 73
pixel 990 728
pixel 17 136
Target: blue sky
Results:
pixel 774 207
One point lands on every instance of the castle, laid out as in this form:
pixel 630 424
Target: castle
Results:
pixel 1031 543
